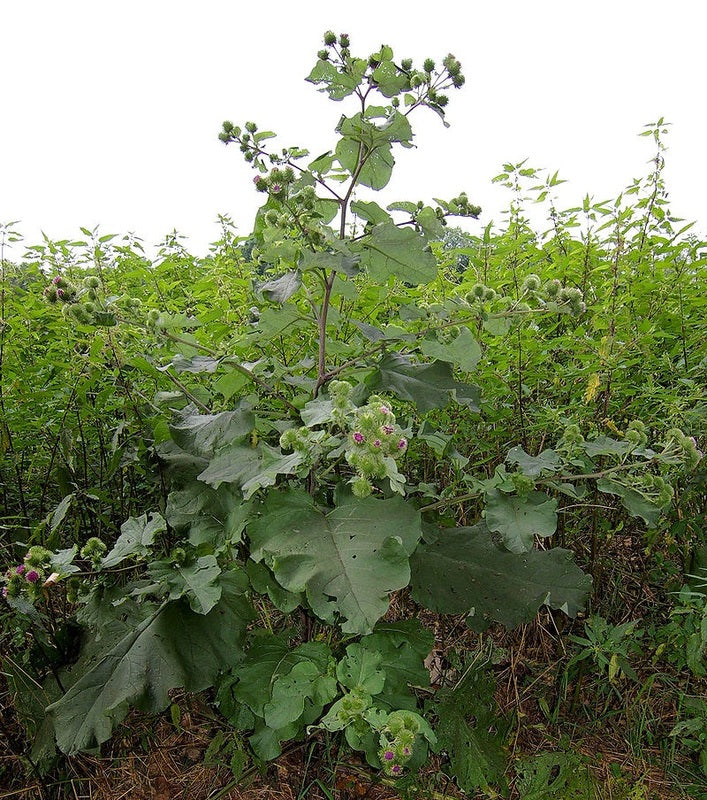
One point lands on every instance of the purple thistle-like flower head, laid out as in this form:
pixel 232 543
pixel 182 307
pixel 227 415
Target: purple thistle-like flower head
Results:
pixel 387 429
pixel 20 570
pixel 257 179
pixel 406 751
pixel 32 576
pixel 396 769
pixel 59 292
pixel 359 438
pixel 389 755
pixel 385 410
pixel 402 444
pixel 4 591
pixel 377 443
pixel 276 188
pixel 56 280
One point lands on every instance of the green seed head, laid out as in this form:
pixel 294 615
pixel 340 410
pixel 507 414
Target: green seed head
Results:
pixel 531 283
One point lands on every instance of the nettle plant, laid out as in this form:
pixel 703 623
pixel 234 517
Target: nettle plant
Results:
pixel 290 519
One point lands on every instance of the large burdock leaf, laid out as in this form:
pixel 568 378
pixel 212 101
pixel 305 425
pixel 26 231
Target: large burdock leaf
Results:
pixel 216 449
pixel 463 351
pixel 347 561
pixel 250 468
pixel 428 386
pixel 471 730
pixel 520 519
pixel 547 463
pixel 197 581
pixel 138 665
pixel 402 252
pixel 463 571
pixel 206 515
pixel 286 687
pixel 634 502
pixel 203 434
pixel 279 290
pixel 137 535
pixel 401 648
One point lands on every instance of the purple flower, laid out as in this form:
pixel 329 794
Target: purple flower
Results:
pixel 377 443
pixel 402 444
pixel 32 576
pixel 396 769
pixel 406 751
pixel 385 410
pixel 56 281
pixel 276 188
pixel 59 292
pixel 387 429
pixel 358 438
pixel 20 570
pixel 257 179
pixel 389 755
pixel 4 591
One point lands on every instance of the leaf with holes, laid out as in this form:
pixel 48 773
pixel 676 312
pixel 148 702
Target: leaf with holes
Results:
pixel 472 731
pixel 347 561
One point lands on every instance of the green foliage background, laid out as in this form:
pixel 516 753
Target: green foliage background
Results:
pixel 537 375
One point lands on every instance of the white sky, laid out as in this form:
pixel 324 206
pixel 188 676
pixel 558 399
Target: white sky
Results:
pixel 111 110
